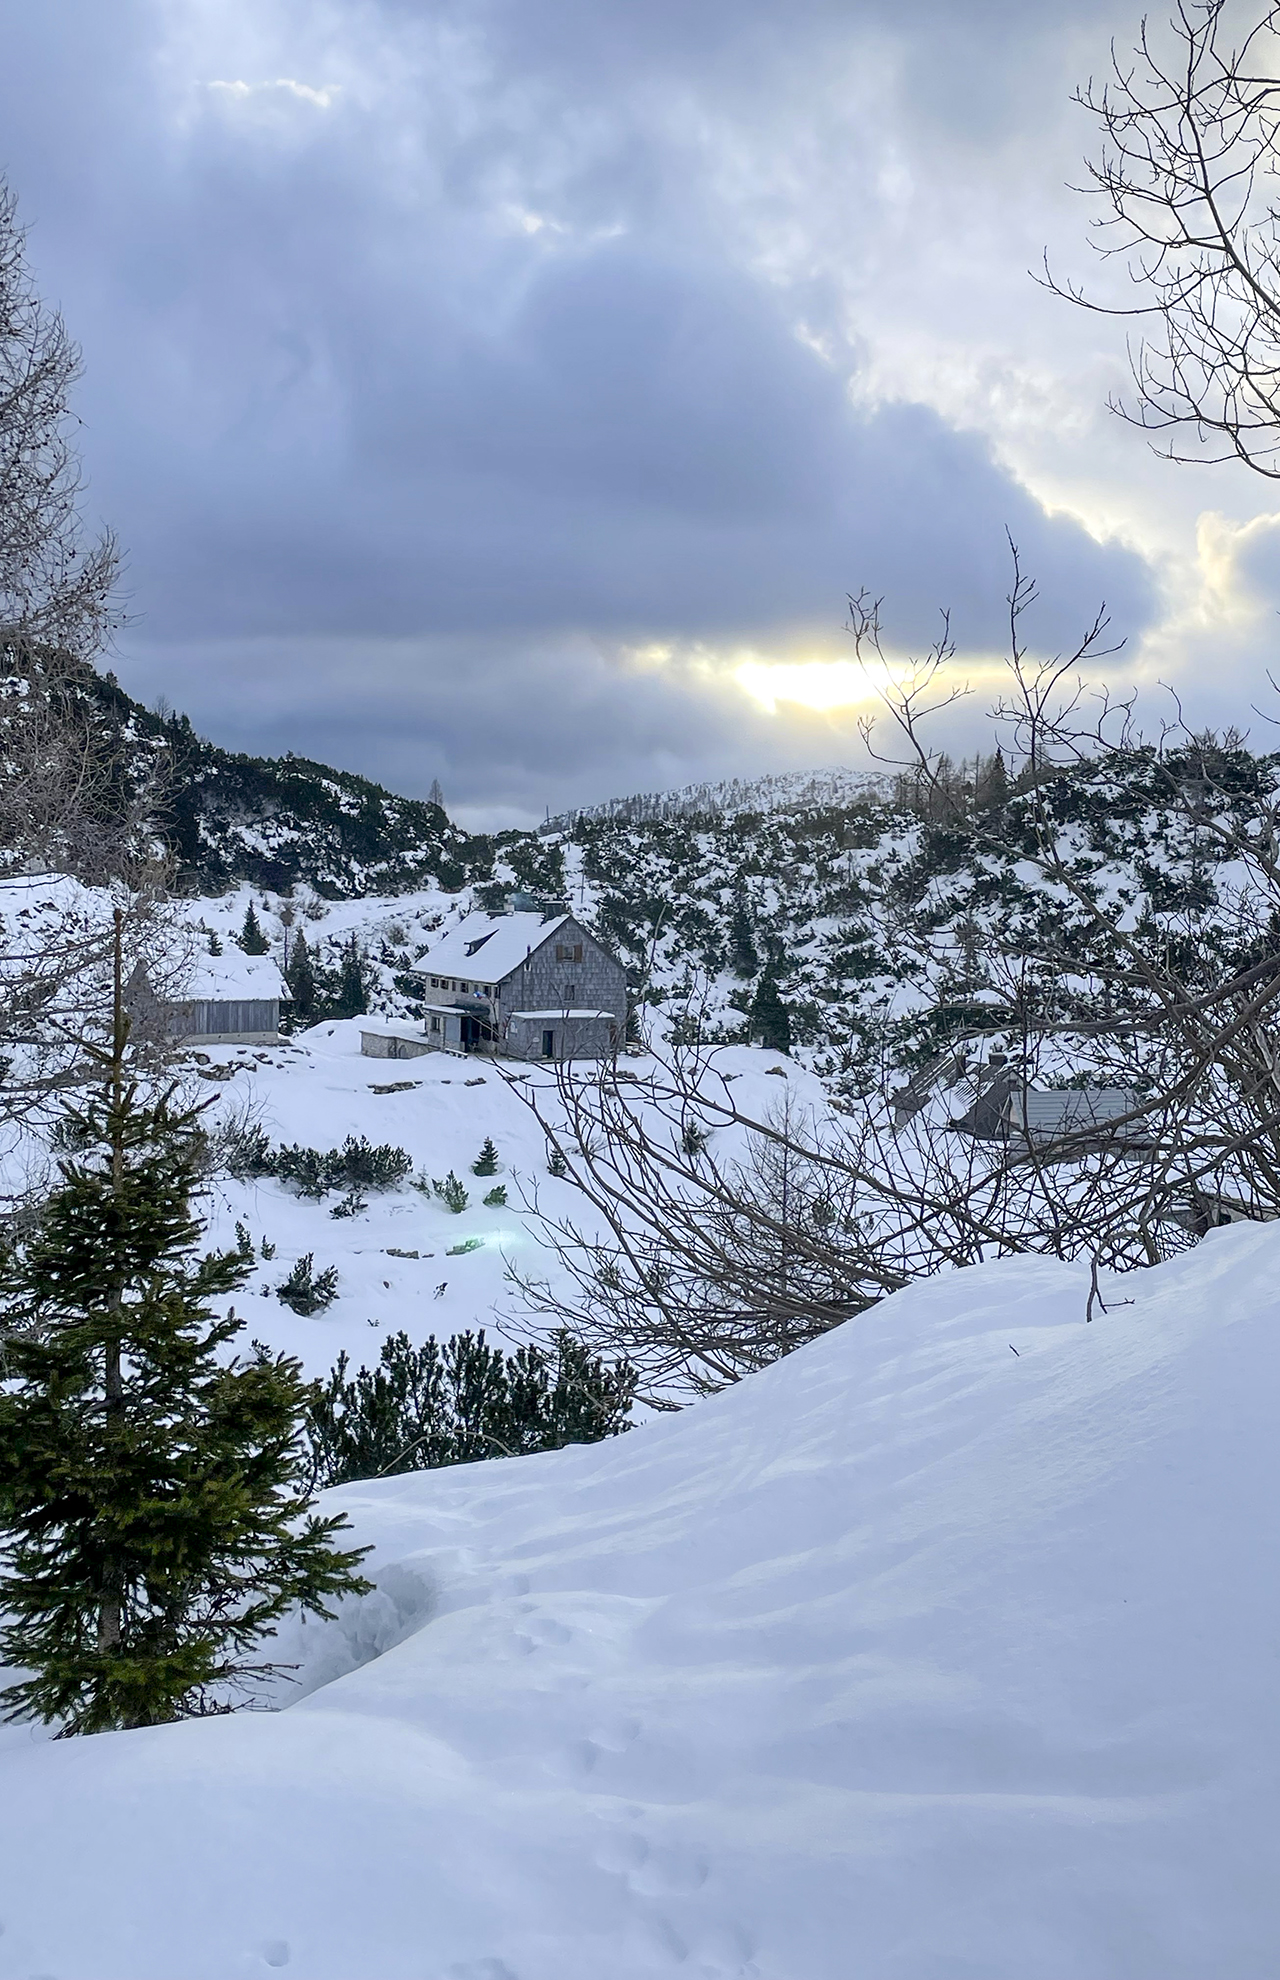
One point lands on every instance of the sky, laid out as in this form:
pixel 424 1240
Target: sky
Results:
pixel 509 392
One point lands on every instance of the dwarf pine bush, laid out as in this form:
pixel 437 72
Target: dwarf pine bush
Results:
pixel 462 1400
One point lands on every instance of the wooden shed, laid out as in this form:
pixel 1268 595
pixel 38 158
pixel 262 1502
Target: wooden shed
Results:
pixel 232 999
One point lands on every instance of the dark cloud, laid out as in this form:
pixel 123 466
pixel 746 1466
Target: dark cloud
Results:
pixel 419 406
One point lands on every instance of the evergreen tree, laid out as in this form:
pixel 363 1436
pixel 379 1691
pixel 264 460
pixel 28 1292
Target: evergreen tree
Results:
pixel 991 785
pixel 301 980
pixel 158 1527
pixel 252 939
pixel 486 1162
pixel 770 1019
pixel 744 959
pixel 352 999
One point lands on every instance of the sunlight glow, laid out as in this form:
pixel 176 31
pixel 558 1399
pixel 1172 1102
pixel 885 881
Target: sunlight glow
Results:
pixel 818 684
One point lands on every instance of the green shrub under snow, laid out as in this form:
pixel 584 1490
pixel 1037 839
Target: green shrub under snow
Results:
pixel 246 1152
pixel 461 1400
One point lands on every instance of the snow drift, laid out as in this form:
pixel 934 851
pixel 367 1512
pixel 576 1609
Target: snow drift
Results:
pixel 948 1647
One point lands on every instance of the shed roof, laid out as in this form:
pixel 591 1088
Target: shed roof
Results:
pixel 485 948
pixel 233 975
pixel 1071 1110
pixel 540 1015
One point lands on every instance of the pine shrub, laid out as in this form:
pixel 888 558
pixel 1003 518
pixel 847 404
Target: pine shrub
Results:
pixel 358 1164
pixel 497 1198
pixel 460 1401
pixel 307 1291
pixel 244 1150
pixel 451 1193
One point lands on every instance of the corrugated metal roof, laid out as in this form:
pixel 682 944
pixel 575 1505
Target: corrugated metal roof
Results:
pixel 1047 1115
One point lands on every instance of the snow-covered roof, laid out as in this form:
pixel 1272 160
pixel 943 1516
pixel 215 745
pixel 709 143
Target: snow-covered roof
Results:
pixel 611 1015
pixel 235 975
pixel 483 948
pixel 385 1027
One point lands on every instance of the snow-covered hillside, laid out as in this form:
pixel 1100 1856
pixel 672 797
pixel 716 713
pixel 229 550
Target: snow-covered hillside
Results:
pixel 946 1647
pixel 405 1262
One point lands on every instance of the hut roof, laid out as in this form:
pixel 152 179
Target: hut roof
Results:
pixel 485 948
pixel 1073 1110
pixel 232 976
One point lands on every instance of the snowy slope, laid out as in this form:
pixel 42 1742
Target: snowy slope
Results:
pixel 912 1658
pixel 318 1089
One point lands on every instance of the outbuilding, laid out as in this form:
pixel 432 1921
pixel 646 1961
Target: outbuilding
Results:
pixel 231 999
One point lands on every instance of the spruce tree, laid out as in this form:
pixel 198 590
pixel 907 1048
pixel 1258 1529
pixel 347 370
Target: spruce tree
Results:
pixel 300 978
pixel 252 939
pixel 352 999
pixel 744 959
pixel 157 1523
pixel 770 1019
pixel 486 1162
pixel 992 783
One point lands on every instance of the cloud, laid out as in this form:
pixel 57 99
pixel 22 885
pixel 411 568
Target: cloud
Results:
pixel 322 99
pixel 558 335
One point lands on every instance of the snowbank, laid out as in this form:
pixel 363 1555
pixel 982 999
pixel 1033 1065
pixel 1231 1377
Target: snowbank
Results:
pixel 913 1657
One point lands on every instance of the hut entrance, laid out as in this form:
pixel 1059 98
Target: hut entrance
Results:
pixel 476 1035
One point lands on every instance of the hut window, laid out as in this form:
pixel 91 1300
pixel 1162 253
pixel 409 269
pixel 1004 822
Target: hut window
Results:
pixel 568 952
pixel 435 1024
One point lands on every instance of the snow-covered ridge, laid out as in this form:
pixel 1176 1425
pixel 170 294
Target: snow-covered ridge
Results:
pixel 782 791
pixel 941 1648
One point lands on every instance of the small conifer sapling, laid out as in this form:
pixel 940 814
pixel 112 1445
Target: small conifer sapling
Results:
pixel 300 979
pixel 252 939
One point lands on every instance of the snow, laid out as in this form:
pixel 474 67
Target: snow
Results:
pixel 236 975
pixel 563 1014
pixel 440 1107
pixel 488 947
pixel 945 1649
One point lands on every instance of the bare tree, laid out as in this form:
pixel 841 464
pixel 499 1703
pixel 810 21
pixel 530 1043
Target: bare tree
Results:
pixel 55 590
pixel 78 801
pixel 706 1266
pixel 1185 174
pixel 706 1241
